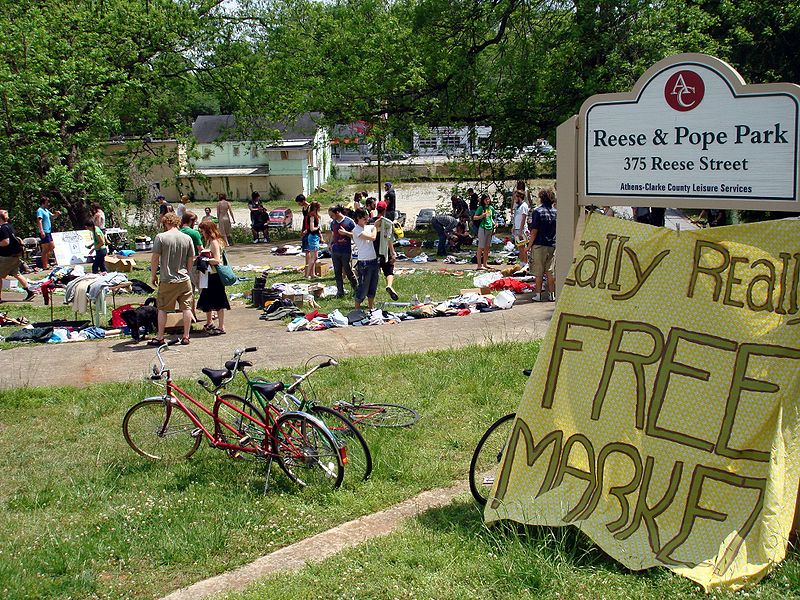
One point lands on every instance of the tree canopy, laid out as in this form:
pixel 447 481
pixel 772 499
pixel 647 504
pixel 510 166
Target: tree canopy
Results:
pixel 75 73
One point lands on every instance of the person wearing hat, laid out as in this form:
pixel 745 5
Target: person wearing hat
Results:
pixel 391 201
pixel 163 205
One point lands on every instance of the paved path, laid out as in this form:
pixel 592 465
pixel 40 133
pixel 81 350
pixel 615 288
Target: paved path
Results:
pixel 321 546
pixel 123 360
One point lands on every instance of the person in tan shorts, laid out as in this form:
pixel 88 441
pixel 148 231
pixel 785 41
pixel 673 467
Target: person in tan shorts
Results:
pixel 542 236
pixel 170 266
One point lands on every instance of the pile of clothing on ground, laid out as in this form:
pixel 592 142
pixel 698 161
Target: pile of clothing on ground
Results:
pixel 508 254
pixel 463 305
pixel 49 334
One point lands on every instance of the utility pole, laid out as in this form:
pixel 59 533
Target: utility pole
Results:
pixel 378 199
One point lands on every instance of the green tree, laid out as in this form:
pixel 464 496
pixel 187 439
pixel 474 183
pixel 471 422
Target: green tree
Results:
pixel 72 74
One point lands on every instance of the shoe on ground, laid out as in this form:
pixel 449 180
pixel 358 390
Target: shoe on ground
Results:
pixel 392 294
pixel 536 297
pixel 29 296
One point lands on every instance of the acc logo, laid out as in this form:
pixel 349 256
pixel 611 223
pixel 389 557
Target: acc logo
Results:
pixel 684 90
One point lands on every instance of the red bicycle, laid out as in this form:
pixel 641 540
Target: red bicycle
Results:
pixel 166 427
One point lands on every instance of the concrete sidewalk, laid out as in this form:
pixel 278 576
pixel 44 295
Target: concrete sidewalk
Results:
pixel 123 360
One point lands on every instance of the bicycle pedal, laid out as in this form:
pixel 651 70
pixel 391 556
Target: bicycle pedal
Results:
pixel 244 440
pixel 196 432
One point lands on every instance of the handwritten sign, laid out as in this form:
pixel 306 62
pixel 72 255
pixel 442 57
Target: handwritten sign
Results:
pixel 661 414
pixel 71 246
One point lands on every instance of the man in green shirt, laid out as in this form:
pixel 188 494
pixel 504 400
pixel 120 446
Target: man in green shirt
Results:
pixel 188 221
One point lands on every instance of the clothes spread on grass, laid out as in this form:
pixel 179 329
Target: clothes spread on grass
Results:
pixel 463 305
pixel 60 334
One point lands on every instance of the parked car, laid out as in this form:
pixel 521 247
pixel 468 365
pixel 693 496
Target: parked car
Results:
pixel 424 218
pixel 280 217
pixel 540 148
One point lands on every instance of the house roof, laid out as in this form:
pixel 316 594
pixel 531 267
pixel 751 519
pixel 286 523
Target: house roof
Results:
pixel 227 172
pixel 208 129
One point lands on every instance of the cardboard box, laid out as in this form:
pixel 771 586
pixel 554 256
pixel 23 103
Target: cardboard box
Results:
pixel 296 298
pixel 316 289
pixel 119 264
pixel 321 269
pixel 175 321
pixel 482 291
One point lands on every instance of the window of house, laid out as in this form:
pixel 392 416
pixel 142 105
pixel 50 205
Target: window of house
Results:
pixel 429 142
pixel 253 152
pixel 284 155
pixel 236 150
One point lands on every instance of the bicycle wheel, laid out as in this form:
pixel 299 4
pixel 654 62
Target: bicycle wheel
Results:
pixel 378 415
pixel 159 430
pixel 359 458
pixel 307 452
pixel 248 434
pixel 486 458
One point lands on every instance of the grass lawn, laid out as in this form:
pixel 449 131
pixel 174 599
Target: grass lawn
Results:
pixel 448 554
pixel 82 516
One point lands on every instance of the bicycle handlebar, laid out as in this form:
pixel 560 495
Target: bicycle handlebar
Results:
pixel 158 373
pixel 331 362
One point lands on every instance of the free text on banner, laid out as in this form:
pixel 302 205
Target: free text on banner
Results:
pixel 662 414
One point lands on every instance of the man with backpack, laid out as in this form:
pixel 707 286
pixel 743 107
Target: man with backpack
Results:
pixel 10 252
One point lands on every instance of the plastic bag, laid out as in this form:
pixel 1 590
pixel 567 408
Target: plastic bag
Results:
pixel 505 299
pixel 485 279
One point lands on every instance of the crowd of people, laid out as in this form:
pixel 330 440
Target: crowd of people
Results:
pixel 365 224
pixel 187 254
pixel 533 231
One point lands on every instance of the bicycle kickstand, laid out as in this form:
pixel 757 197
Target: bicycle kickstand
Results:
pixel 266 476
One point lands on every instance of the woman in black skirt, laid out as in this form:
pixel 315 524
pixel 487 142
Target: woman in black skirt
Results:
pixel 213 297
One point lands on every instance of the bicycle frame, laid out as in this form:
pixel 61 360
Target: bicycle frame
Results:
pixel 215 439
pixel 303 404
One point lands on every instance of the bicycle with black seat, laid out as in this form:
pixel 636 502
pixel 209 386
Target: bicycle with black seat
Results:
pixel 166 427
pixel 260 394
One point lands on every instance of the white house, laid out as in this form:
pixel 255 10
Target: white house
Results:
pixel 227 159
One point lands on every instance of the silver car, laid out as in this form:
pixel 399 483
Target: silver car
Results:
pixel 424 218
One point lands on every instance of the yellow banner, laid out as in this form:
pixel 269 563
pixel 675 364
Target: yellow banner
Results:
pixel 661 417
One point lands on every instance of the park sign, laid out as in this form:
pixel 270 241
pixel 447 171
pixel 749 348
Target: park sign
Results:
pixel 692 129
pixel 663 411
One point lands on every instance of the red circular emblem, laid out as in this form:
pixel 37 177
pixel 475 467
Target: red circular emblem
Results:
pixel 684 90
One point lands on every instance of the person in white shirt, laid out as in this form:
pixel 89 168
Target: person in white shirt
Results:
pixel 367 269
pixel 521 229
pixel 181 208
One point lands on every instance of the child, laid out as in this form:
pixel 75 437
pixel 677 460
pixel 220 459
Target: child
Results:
pixel 98 246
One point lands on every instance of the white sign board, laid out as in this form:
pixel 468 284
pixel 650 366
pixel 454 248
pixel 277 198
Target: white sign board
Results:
pixel 692 129
pixel 71 246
